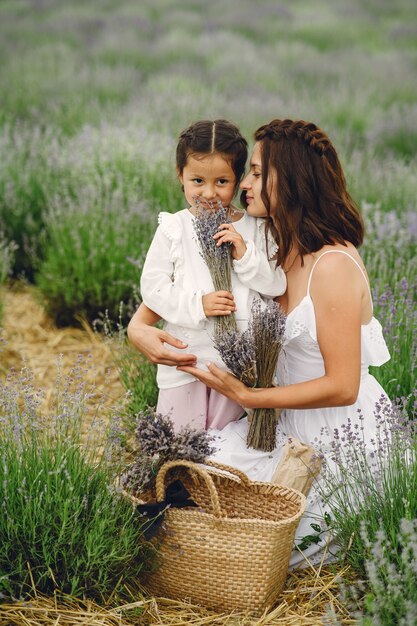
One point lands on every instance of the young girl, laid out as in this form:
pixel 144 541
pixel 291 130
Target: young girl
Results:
pixel 176 283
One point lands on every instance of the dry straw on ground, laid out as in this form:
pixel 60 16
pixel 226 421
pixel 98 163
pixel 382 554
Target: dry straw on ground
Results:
pixel 32 339
pixel 309 595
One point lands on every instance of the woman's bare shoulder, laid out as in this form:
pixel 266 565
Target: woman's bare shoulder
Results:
pixel 337 256
pixel 335 272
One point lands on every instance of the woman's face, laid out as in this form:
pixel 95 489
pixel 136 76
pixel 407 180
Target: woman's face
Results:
pixel 252 185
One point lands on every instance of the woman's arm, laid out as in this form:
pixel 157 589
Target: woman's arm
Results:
pixel 151 341
pixel 337 292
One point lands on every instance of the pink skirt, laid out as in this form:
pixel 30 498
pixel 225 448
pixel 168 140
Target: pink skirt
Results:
pixel 198 406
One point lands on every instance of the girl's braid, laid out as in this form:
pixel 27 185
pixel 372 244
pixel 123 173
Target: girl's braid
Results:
pixel 239 140
pixel 306 132
pixel 187 135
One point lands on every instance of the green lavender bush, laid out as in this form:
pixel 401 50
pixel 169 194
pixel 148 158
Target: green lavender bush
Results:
pixel 390 255
pixel 43 171
pixel 388 594
pixel 6 258
pixel 99 226
pixel 93 255
pixel 371 492
pixel 7 251
pixel 29 176
pixel 391 594
pixel 137 374
pixel 63 525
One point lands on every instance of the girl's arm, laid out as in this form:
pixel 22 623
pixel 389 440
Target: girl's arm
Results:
pixel 258 273
pixel 252 265
pixel 151 341
pixel 161 294
pixel 337 292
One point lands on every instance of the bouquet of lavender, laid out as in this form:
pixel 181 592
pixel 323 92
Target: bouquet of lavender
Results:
pixel 267 328
pixel 252 357
pixel 157 443
pixel 217 258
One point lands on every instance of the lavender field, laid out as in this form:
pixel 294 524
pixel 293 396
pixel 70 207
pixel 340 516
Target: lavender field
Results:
pixel 93 98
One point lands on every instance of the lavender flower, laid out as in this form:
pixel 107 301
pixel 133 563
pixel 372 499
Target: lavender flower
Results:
pixel 238 354
pixel 390 567
pixel 369 480
pixel 154 433
pixel 217 258
pixel 157 442
pixel 192 444
pixel 139 476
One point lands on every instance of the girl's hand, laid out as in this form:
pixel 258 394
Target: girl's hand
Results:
pixel 223 382
pixel 218 303
pixel 228 234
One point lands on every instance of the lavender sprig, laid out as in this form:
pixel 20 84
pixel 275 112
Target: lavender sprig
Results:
pixel 157 442
pixel 217 258
pixel 238 353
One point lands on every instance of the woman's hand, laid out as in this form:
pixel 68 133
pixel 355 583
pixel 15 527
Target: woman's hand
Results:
pixel 218 303
pixel 151 341
pixel 223 382
pixel 228 234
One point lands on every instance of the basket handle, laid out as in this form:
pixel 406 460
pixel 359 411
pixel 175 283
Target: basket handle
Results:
pixel 231 470
pixel 160 482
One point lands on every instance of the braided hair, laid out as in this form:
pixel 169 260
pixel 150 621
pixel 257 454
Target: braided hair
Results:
pixel 209 137
pixel 312 206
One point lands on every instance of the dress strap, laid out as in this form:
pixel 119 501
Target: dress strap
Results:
pixel 350 257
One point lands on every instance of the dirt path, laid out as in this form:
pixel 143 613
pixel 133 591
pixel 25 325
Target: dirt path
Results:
pixel 30 337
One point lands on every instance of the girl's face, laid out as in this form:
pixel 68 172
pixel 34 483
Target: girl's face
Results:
pixel 252 185
pixel 211 178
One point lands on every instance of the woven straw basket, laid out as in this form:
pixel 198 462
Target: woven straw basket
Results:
pixel 232 552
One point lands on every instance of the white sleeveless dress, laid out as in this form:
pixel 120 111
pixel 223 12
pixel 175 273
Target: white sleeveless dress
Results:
pixel 301 360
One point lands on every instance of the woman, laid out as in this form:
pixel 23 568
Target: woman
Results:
pixel 331 336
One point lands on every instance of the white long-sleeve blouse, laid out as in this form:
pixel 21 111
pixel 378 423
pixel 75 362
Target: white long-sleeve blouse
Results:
pixel 175 278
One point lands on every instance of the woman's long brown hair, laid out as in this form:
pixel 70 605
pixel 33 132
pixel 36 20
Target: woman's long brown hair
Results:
pixel 312 206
